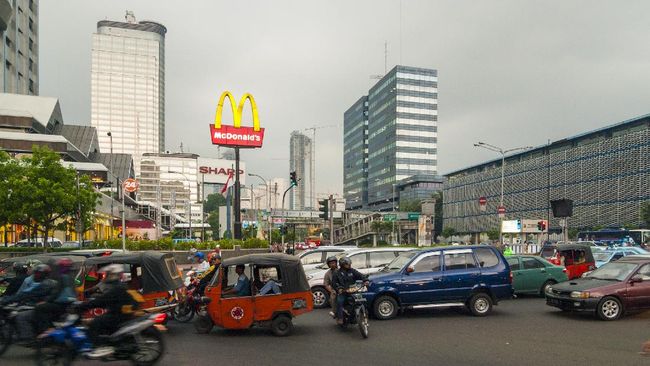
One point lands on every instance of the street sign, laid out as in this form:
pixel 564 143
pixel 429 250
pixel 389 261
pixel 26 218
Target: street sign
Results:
pixel 390 217
pixel 511 226
pixel 413 216
pixel 501 210
pixel 131 185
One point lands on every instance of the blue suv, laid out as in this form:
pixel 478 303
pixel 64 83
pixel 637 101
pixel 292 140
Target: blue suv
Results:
pixel 473 276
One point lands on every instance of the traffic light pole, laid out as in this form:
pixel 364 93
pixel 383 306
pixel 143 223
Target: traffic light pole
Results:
pixel 331 203
pixel 283 197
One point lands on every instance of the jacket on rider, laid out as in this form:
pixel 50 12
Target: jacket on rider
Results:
pixel 344 278
pixel 115 298
pixel 14 285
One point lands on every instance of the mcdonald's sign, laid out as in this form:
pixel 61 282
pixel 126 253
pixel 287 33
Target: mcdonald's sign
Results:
pixel 236 135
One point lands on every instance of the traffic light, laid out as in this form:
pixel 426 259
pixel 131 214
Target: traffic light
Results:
pixel 324 208
pixel 293 178
pixel 283 230
pixel 541 226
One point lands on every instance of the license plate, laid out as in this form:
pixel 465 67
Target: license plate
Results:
pixel 554 302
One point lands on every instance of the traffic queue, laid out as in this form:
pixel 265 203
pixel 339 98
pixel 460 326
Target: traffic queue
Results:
pixel 127 298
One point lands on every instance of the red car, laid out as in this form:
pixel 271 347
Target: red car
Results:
pixel 609 291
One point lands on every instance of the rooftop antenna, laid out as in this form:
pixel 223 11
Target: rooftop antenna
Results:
pixel 129 17
pixel 181 146
pixel 378 76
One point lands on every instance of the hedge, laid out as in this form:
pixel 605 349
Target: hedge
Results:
pixel 162 244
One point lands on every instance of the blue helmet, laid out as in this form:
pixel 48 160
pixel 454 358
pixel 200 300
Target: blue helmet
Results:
pixel 200 255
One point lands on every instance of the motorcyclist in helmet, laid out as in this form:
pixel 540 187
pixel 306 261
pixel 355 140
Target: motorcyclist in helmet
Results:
pixel 345 277
pixel 20 269
pixel 119 304
pixel 332 263
pixel 203 264
pixel 61 296
pixel 204 278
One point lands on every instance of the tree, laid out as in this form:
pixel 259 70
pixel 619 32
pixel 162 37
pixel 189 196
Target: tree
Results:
pixel 381 227
pixel 411 206
pixel 11 173
pixel 493 234
pixel 448 232
pixel 645 213
pixel 437 220
pixel 213 221
pixel 86 201
pixel 213 202
pixel 52 190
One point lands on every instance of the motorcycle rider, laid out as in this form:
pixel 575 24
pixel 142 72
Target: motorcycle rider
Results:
pixel 345 277
pixel 14 284
pixel 214 259
pixel 119 304
pixel 332 263
pixel 203 264
pixel 61 296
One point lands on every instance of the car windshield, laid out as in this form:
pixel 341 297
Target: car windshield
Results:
pixel 613 271
pixel 399 262
pixel 602 256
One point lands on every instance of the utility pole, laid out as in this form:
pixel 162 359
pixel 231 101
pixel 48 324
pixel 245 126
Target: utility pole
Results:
pixel 202 208
pixel 79 219
pixel 331 212
pixel 123 218
pixel 110 161
pixel 237 204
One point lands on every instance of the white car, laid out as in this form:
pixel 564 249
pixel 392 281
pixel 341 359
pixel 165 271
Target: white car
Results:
pixel 365 260
pixel 313 258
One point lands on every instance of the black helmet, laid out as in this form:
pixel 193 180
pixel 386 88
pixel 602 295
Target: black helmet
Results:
pixel 330 259
pixel 41 272
pixel 20 268
pixel 345 260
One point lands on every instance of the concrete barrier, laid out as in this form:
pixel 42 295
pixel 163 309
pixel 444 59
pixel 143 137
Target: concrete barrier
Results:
pixel 526 248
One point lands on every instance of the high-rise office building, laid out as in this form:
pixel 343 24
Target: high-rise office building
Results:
pixel 19 52
pixel 128 86
pixel 355 155
pixel 402 111
pixel 300 153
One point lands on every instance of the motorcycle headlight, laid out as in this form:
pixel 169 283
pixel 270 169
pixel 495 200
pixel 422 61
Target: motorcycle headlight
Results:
pixel 580 294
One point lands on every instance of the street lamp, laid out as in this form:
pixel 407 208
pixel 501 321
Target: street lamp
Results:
pixel 268 195
pixel 110 163
pixel 503 153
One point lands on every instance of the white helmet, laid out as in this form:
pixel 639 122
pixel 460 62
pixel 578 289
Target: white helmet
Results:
pixel 113 272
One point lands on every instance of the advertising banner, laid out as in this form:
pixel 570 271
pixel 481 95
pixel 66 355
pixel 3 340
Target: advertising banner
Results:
pixel 217 170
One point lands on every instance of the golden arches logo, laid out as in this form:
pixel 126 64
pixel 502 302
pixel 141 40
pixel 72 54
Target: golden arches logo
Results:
pixel 237 113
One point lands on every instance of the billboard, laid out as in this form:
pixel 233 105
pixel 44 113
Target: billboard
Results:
pixel 511 226
pixel 217 170
pixel 236 135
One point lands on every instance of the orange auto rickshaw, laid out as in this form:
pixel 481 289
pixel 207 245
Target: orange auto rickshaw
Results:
pixel 256 290
pixel 576 258
pixel 154 275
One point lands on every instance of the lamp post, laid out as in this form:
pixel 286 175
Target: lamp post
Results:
pixel 110 163
pixel 503 153
pixel 392 235
pixel 268 195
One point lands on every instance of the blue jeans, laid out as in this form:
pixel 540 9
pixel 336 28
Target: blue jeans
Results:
pixel 340 302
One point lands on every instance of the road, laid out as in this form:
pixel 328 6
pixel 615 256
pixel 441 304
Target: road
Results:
pixel 520 331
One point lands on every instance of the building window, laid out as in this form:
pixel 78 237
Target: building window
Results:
pixel 31 86
pixel 31 45
pixel 31 65
pixel 31 24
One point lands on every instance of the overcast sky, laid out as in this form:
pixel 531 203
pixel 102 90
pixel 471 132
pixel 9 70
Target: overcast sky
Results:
pixel 511 73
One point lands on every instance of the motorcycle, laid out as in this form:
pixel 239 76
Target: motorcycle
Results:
pixel 139 341
pixel 354 308
pixel 9 327
pixel 188 305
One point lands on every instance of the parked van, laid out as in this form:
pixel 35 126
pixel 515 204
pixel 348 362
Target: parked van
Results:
pixel 477 277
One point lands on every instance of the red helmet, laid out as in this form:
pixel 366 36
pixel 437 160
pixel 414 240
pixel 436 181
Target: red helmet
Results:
pixel 64 265
pixel 41 272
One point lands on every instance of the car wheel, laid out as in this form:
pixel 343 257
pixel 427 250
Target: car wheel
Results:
pixel 321 297
pixel 282 326
pixel 480 304
pixel 545 286
pixel 385 308
pixel 609 308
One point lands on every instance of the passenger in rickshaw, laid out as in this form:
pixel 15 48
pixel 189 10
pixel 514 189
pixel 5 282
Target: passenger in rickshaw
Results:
pixel 266 280
pixel 243 285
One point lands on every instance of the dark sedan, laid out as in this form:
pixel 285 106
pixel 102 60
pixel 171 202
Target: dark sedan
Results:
pixel 609 291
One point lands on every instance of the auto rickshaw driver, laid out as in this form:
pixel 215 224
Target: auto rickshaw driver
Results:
pixel 243 285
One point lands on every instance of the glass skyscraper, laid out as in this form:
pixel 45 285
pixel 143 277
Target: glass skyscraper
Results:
pixel 355 155
pixel 19 52
pixel 402 114
pixel 128 87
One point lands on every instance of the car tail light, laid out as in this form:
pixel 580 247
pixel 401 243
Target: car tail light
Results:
pixel 510 277
pixel 564 270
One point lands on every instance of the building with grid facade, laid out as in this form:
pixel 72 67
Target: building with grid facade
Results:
pixel 300 161
pixel 400 140
pixel 605 172
pixel 128 86
pixel 19 52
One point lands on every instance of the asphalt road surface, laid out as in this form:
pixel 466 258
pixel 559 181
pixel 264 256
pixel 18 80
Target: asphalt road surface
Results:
pixel 523 331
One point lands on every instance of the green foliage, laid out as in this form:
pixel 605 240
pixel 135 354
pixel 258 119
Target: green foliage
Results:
pixel 645 213
pixel 410 206
pixel 213 202
pixel 573 233
pixel 437 220
pixel 167 244
pixel 381 227
pixel 448 232
pixel 493 234
pixel 213 221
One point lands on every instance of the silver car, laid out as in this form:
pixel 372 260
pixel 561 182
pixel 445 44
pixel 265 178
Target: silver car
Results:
pixel 365 260
pixel 313 258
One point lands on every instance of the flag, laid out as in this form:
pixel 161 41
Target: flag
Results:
pixel 229 183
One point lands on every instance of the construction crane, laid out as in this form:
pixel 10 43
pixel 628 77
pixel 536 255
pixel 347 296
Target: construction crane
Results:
pixel 312 163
